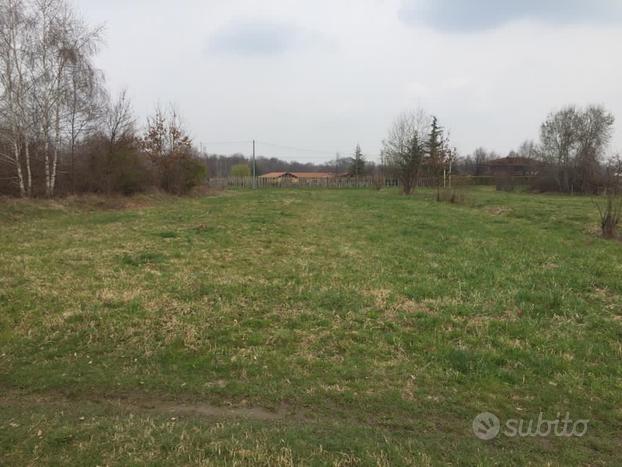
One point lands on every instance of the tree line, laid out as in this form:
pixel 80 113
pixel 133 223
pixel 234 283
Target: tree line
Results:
pixel 237 165
pixel 62 132
pixel 570 156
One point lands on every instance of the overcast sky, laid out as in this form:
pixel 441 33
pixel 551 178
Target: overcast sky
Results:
pixel 325 74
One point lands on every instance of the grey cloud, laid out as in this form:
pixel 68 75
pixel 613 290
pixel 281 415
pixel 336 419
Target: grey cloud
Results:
pixel 475 15
pixel 252 38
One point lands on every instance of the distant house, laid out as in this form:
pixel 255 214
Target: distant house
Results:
pixel 313 175
pixel 294 176
pixel 511 166
pixel 277 175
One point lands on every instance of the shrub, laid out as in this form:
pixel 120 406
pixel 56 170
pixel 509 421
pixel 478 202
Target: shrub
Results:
pixel 610 212
pixel 132 174
pixel 240 170
pixel 112 168
pixel 181 174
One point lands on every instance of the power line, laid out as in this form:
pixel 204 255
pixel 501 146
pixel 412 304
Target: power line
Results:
pixel 281 146
pixel 293 148
pixel 316 151
pixel 215 143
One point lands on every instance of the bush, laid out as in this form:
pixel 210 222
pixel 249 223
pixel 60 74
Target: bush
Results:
pixel 181 174
pixel 131 173
pixel 610 211
pixel 240 170
pixel 112 168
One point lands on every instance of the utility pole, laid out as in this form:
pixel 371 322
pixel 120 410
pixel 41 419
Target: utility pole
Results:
pixel 452 159
pixel 254 167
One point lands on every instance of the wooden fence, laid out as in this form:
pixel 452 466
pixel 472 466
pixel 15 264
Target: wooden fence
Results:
pixel 333 182
pixel 353 182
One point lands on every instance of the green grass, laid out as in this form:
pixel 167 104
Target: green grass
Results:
pixel 307 327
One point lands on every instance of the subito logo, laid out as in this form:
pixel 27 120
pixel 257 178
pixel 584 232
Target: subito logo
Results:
pixel 486 426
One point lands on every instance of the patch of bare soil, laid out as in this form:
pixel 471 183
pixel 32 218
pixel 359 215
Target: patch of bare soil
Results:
pixel 95 202
pixel 498 210
pixel 114 202
pixel 137 402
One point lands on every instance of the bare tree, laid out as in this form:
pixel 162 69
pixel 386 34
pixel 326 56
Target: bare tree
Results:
pixel 480 157
pixel 169 148
pixel 119 122
pixel 119 129
pixel 85 95
pixel 63 48
pixel 165 136
pixel 594 134
pixel 529 150
pixel 573 141
pixel 614 166
pixel 15 30
pixel 404 149
pixel 47 80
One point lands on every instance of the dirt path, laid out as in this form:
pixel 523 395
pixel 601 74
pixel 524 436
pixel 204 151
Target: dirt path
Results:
pixel 150 404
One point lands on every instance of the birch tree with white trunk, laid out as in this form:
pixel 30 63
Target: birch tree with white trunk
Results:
pixel 15 27
pixel 48 85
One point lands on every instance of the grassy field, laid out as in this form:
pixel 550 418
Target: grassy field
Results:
pixel 306 327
